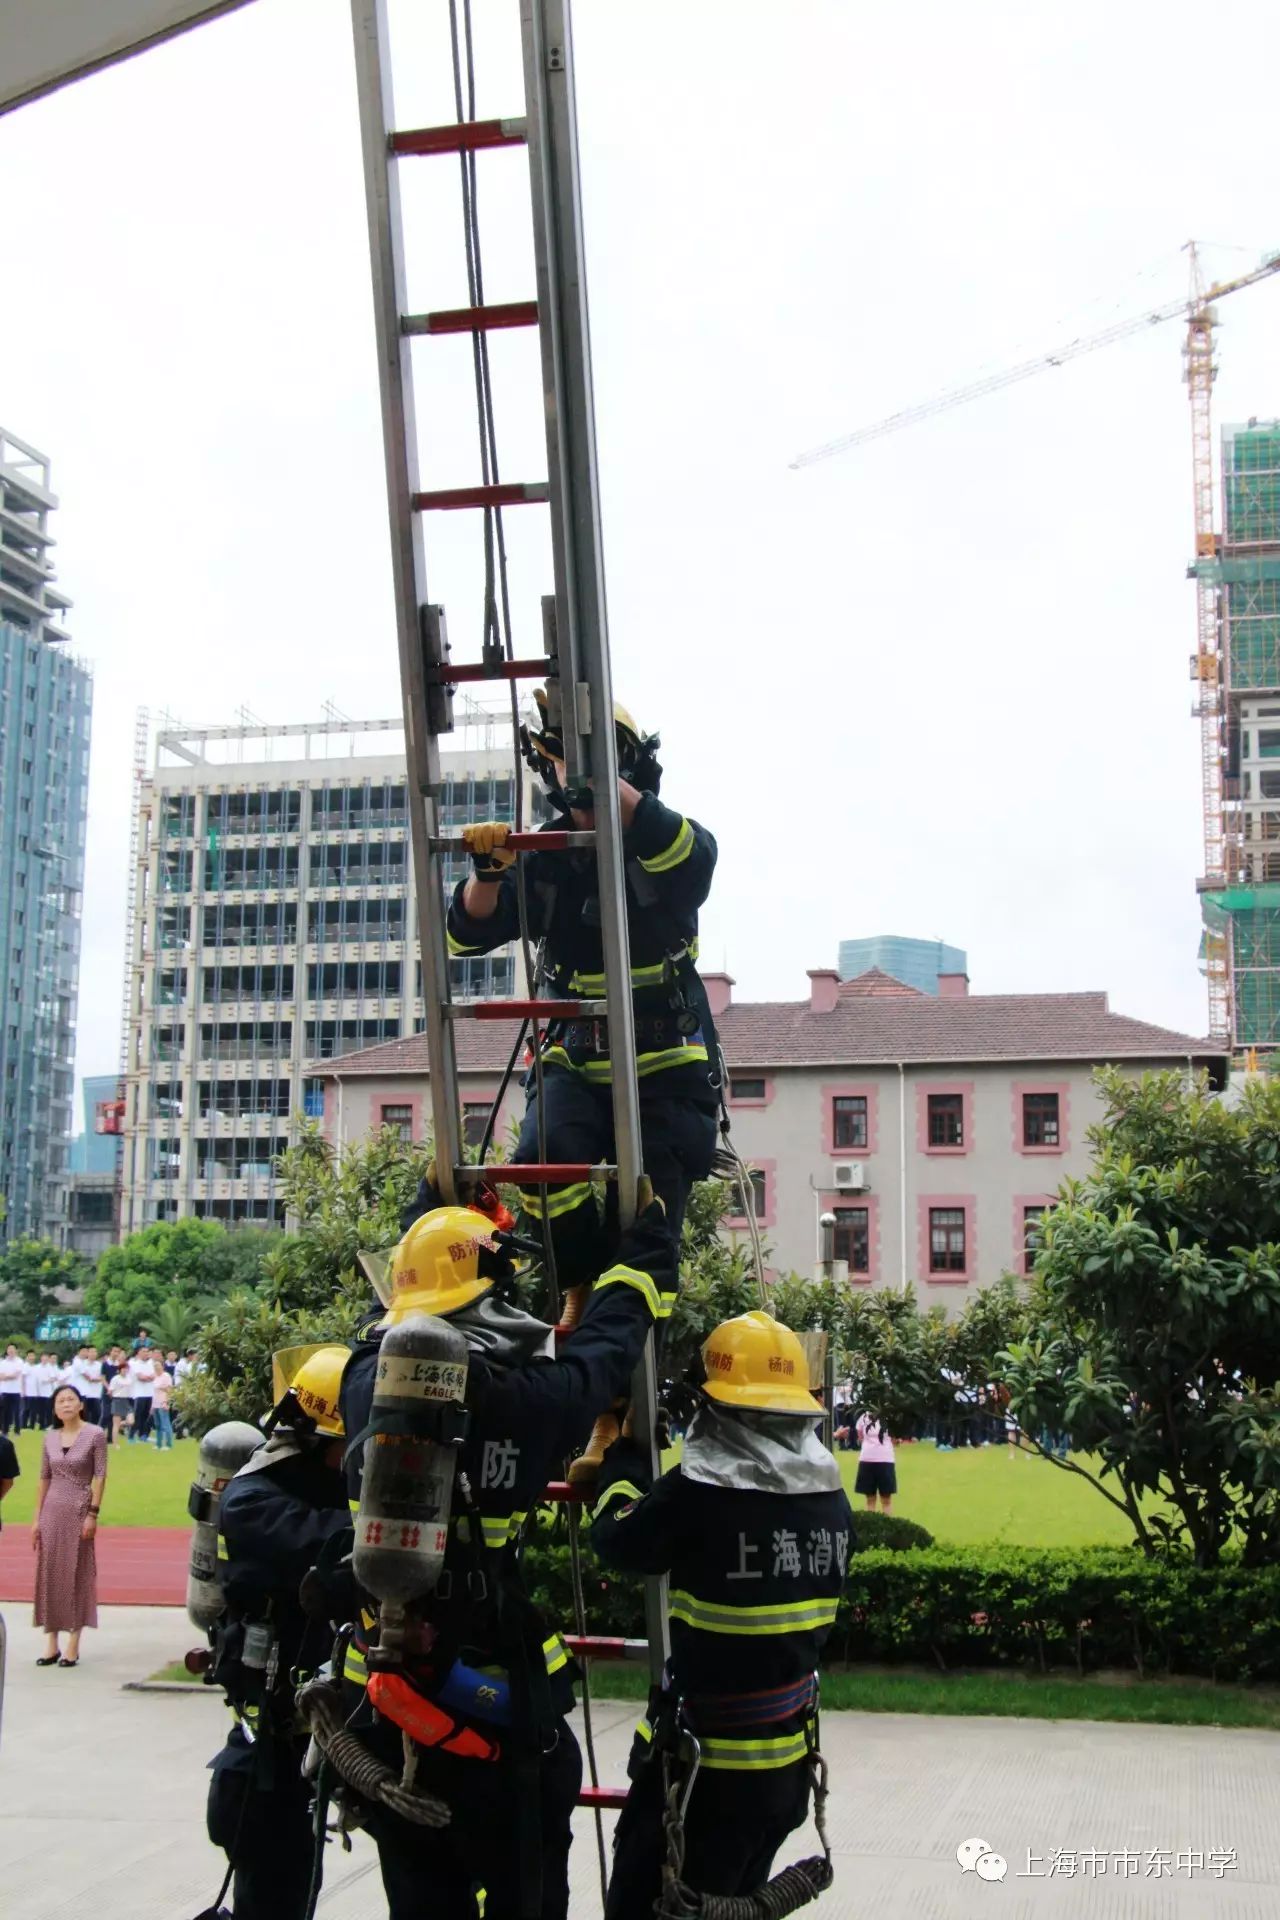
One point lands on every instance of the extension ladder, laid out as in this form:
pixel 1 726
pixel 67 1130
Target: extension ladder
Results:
pixel 574 658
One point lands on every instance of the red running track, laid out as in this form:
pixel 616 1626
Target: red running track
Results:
pixel 137 1566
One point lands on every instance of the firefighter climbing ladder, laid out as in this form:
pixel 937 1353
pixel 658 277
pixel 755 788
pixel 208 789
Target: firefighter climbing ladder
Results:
pixel 575 656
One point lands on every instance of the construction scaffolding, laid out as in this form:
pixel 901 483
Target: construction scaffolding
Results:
pixel 1238 578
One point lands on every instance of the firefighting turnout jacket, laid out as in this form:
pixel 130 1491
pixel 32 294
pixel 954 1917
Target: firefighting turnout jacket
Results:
pixel 524 1422
pixel 276 1524
pixel 669 864
pixel 755 1580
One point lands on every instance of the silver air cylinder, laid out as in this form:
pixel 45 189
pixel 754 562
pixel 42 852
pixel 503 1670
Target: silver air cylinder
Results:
pixel 402 1527
pixel 223 1452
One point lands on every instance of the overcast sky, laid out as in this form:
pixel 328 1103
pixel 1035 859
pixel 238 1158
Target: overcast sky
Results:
pixel 937 686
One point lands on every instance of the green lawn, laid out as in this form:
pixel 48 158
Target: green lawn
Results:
pixel 1182 1703
pixel 980 1494
pixel 144 1488
pixel 963 1498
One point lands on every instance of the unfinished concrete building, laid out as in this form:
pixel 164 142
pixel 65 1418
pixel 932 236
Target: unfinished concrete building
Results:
pixel 272 932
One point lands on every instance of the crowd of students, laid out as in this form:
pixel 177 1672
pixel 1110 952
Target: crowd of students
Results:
pixel 126 1391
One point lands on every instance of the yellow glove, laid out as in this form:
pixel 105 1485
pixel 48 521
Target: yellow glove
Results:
pixel 487 845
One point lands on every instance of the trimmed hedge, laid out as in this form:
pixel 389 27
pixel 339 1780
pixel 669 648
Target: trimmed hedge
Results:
pixel 1000 1607
pixel 1086 1608
pixel 873 1531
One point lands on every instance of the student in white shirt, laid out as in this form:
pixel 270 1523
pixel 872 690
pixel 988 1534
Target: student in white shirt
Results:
pixel 120 1401
pixel 10 1389
pixel 142 1376
pixel 47 1382
pixel 30 1391
pixel 91 1385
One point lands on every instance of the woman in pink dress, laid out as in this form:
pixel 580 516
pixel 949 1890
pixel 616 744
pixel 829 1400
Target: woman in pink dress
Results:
pixel 73 1472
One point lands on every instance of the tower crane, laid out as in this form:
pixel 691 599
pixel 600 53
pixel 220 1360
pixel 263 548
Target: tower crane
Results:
pixel 1199 309
pixel 1195 309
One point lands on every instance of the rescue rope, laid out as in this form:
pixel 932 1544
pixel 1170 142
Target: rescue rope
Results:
pixel 580 1622
pixel 786 1893
pixel 728 1164
pixel 319 1703
pixel 497 605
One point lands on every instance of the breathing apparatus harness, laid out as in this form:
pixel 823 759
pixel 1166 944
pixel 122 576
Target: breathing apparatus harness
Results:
pixel 425 1611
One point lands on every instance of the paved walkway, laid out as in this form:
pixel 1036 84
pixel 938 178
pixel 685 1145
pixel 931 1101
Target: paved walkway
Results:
pixel 137 1566
pixel 102 1801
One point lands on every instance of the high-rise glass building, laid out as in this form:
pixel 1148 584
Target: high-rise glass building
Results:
pixel 917 963
pixel 45 704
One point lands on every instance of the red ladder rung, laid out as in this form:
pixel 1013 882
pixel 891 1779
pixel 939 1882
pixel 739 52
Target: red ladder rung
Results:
pixel 514 313
pixel 503 493
pixel 603 1799
pixel 598 1646
pixel 461 136
pixel 565 1173
pixel 527 1009
pixel 450 676
pixel 555 840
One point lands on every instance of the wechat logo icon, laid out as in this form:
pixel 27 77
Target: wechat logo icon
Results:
pixel 976 1856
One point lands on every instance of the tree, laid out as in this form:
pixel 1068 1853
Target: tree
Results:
pixel 1155 1330
pixel 347 1201
pixel 33 1276
pixel 192 1261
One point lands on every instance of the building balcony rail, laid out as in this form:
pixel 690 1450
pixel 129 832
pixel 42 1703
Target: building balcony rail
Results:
pixel 326 823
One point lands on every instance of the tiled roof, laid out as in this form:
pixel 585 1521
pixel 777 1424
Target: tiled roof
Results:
pixel 863 1029
pixel 874 980
pixel 869 1028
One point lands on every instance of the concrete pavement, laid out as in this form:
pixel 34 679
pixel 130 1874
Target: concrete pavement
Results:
pixel 102 1800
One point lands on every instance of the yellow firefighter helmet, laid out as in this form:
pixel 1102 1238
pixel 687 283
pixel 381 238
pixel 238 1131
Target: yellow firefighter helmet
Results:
pixel 313 1376
pixel 546 738
pixel 755 1363
pixel 446 1259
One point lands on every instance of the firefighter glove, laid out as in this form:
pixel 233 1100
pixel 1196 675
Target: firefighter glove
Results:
pixel 487 845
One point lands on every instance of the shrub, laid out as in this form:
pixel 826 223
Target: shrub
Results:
pixel 997 1606
pixel 1098 1607
pixel 888 1532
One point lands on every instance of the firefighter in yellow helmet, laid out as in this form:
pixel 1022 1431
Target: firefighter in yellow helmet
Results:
pixel 753 1528
pixel 493 1674
pixel 282 1518
pixel 669 863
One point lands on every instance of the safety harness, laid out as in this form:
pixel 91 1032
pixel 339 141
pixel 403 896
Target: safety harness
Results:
pixel 683 1733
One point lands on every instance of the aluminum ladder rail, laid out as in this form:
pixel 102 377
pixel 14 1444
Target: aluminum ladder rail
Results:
pixel 575 625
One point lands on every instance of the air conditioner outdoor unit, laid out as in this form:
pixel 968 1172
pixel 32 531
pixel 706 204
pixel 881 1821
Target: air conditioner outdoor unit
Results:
pixel 849 1176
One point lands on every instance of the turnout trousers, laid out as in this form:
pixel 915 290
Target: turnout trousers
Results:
pixel 677 1137
pixel 735 1824
pixel 473 1865
pixel 259 1814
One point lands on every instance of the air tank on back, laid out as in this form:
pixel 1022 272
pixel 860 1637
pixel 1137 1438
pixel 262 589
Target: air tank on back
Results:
pixel 415 1425
pixel 223 1452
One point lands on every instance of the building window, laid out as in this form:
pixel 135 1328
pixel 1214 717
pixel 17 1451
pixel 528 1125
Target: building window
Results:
pixel 1268 743
pixel 849 1120
pixel 400 1118
pixel 475 1118
pixel 946 1239
pixel 946 1120
pixel 853 1238
pixel 1031 1218
pixel 759 1180
pixel 1040 1120
pixel 748 1088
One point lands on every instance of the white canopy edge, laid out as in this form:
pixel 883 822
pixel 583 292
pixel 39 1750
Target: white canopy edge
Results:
pixel 46 44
